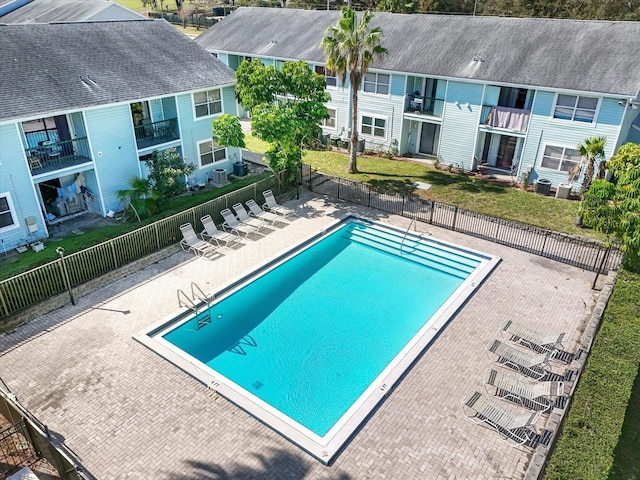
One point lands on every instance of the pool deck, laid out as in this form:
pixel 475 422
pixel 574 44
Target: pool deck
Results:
pixel 129 414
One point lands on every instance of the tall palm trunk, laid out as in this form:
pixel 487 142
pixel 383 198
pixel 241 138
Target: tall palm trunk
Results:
pixel 588 175
pixel 353 167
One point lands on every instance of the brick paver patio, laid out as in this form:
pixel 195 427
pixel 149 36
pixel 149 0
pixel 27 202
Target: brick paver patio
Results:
pixel 129 414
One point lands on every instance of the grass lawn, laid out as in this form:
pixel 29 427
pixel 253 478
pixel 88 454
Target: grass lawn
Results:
pixel 72 243
pixel 468 192
pixel 601 435
pixel 134 5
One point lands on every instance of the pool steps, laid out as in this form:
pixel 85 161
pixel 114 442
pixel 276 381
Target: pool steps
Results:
pixel 413 249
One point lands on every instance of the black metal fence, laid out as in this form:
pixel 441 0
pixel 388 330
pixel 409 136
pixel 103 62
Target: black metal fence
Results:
pixel 584 253
pixel 198 20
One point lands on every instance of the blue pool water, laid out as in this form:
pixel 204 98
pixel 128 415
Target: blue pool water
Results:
pixel 310 336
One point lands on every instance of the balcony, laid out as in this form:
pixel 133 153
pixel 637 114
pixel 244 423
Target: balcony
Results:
pixel 424 105
pixel 507 118
pixel 156 133
pixel 51 156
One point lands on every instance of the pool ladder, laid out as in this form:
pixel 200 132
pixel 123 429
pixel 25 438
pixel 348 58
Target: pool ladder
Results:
pixel 196 294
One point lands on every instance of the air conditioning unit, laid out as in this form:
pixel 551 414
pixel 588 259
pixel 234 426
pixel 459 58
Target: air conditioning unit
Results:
pixel 219 177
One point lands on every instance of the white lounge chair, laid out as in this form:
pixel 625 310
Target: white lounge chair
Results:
pixel 272 205
pixel 534 396
pixel 212 234
pixel 514 429
pixel 530 364
pixel 232 224
pixel 191 243
pixel 244 217
pixel 256 211
pixel 530 338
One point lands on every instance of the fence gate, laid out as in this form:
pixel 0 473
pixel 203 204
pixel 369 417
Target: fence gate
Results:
pixel 16 451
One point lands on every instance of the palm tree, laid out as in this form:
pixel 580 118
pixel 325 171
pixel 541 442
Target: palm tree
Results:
pixel 591 150
pixel 351 47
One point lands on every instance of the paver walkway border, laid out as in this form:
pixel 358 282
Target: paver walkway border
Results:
pixel 127 413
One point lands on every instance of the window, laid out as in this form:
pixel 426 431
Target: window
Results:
pixel 329 75
pixel 575 108
pixel 207 103
pixel 331 121
pixel 376 83
pixel 209 152
pixel 560 158
pixel 7 216
pixel 373 126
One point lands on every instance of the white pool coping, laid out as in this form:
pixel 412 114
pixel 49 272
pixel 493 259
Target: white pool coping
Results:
pixel 324 448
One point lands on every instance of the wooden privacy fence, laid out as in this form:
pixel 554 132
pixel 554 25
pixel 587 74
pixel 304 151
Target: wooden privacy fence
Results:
pixel 58 276
pixel 583 253
pixel 31 440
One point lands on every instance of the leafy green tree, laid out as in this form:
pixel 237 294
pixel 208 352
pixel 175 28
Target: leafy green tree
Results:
pixel 613 208
pixel 397 6
pixel 350 48
pixel 286 106
pixel 227 131
pixel 167 170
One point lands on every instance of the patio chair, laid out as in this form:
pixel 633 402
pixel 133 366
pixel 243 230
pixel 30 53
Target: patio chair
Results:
pixel 191 243
pixel 514 429
pixel 531 364
pixel 212 234
pixel 232 224
pixel 534 396
pixel 256 211
pixel 244 217
pixel 272 205
pixel 530 338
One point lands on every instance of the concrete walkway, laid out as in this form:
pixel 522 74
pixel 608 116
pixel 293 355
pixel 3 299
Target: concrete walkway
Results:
pixel 129 414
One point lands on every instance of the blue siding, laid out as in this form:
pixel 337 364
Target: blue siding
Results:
pixel 234 61
pixel 15 179
pixel 545 130
pixel 114 150
pixel 340 100
pixel 460 123
pixel 224 58
pixel 200 130
pixel 382 106
pixel 397 85
pixel 229 100
pixel 77 124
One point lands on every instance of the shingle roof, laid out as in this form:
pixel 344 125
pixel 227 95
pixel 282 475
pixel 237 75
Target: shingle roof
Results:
pixel 44 67
pixel 46 11
pixel 593 56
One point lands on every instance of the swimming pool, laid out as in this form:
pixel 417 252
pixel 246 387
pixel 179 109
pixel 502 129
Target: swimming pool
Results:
pixel 314 340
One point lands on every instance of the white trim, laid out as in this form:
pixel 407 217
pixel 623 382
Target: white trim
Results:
pixel 324 66
pixel 542 154
pixel 374 117
pixel 335 119
pixel 12 212
pixel 383 95
pixel 103 105
pixel 196 118
pixel 324 447
pixel 553 118
pixel 213 153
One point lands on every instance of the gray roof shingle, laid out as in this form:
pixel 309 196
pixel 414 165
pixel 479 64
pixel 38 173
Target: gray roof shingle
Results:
pixel 47 11
pixel 592 56
pixel 44 67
